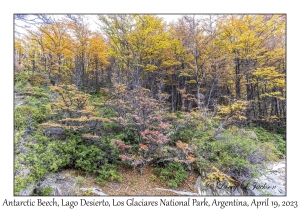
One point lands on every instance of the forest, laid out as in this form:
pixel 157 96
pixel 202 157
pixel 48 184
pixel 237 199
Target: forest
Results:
pixel 104 94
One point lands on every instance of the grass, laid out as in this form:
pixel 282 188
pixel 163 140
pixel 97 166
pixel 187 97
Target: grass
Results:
pixel 80 180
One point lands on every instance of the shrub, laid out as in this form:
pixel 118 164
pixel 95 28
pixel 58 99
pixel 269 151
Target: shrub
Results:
pixel 46 191
pixel 39 79
pixel 88 158
pixel 21 79
pixel 153 178
pixel 28 117
pixel 186 126
pixel 275 139
pixel 140 117
pixel 108 172
pixel 33 112
pixel 173 174
pixel 230 155
pixel 20 183
pixel 216 176
pixel 236 152
pixel 49 155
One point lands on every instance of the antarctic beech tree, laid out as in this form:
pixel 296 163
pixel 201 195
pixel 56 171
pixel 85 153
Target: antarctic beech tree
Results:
pixel 58 49
pixel 197 61
pixel 191 33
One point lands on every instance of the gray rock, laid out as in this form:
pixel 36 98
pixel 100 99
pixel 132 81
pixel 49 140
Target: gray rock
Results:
pixel 25 172
pixel 60 184
pixel 55 132
pixel 223 192
pixel 198 185
pixel 206 192
pixel 271 182
pixel 27 191
pixel 237 191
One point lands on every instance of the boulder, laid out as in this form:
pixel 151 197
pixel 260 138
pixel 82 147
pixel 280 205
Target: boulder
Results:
pixel 271 182
pixel 61 185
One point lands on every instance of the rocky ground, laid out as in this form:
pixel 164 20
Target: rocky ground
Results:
pixel 72 182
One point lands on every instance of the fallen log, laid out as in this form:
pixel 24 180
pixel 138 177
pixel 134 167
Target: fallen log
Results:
pixel 179 192
pixel 95 191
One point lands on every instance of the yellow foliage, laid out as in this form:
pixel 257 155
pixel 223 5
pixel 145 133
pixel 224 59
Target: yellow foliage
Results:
pixel 233 112
pixel 51 125
pixel 217 176
pixel 90 136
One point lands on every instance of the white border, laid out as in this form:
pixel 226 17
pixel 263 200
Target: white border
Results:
pixel 154 6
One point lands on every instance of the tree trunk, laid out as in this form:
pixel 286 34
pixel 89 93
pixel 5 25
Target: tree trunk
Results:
pixel 197 83
pixel 237 79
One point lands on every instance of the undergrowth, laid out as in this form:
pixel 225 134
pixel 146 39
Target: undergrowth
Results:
pixel 88 133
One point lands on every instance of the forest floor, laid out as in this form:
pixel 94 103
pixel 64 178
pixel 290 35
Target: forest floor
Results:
pixel 136 184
